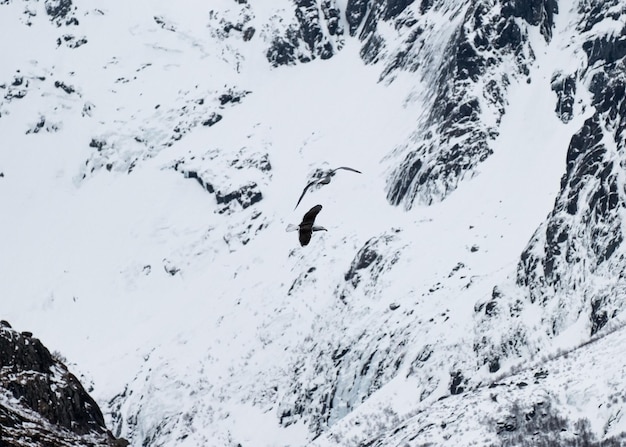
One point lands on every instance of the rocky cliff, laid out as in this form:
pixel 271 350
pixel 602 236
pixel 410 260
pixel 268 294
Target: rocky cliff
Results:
pixel 41 402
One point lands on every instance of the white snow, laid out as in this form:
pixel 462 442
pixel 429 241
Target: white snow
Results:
pixel 206 353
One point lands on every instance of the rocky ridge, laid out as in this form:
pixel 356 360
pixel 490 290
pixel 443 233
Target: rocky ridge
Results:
pixel 573 266
pixel 41 402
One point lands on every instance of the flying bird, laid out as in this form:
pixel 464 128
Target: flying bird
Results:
pixel 322 178
pixel 307 227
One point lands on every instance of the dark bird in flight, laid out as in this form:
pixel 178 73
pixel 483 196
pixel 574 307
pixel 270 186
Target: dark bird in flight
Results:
pixel 322 178
pixel 307 227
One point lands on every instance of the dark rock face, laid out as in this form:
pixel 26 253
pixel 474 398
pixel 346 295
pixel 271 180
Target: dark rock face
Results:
pixel 317 33
pixel 367 13
pixel 50 402
pixel 232 97
pixel 368 264
pixel 535 12
pixel 454 138
pixel 61 12
pixel 246 196
pixel 71 41
pixel 69 89
pixel 582 240
pixel 565 88
pixel 456 383
pixel 363 260
pixel 565 266
pixel 213 119
pixel 58 8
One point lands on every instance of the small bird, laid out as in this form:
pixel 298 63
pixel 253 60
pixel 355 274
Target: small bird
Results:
pixel 323 178
pixel 306 227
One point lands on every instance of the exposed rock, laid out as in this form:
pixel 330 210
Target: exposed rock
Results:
pixel 44 124
pixel 455 138
pixel 71 41
pixel 456 383
pixel 363 259
pixel 58 8
pixel 248 33
pixel 583 236
pixel 365 15
pixel 337 374
pixel 368 264
pixel 69 89
pixel 232 96
pixel 245 196
pixel 564 268
pixel 60 12
pixel 316 33
pixel 46 401
pixel 169 267
pixel 214 118
pixel 565 88
pixel 229 195
pixel 123 151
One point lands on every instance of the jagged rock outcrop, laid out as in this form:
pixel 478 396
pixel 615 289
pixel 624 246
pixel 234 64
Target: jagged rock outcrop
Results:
pixel 565 268
pixel 468 90
pixel 41 402
pixel 365 17
pixel 581 243
pixel 229 194
pixel 316 33
pixel 565 88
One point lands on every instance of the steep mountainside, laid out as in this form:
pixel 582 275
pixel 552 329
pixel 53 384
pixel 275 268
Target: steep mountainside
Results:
pixel 41 402
pixel 471 279
pixel 489 48
pixel 573 265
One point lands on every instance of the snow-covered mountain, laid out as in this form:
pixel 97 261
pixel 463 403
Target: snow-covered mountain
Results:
pixel 469 288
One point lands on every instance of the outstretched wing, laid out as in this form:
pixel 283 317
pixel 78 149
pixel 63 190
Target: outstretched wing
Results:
pixel 347 169
pixel 309 217
pixel 306 188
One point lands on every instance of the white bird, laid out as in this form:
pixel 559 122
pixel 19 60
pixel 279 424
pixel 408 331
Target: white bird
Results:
pixel 323 178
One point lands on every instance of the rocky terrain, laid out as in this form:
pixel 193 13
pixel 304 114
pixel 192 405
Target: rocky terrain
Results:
pixel 41 402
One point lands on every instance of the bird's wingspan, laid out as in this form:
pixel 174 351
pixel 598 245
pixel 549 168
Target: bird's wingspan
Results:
pixel 347 169
pixel 310 216
pixel 306 188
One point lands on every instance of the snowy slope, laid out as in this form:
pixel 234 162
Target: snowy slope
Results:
pixel 152 156
pixel 545 401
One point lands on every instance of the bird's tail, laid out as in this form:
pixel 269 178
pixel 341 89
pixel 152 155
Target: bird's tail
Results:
pixel 291 227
